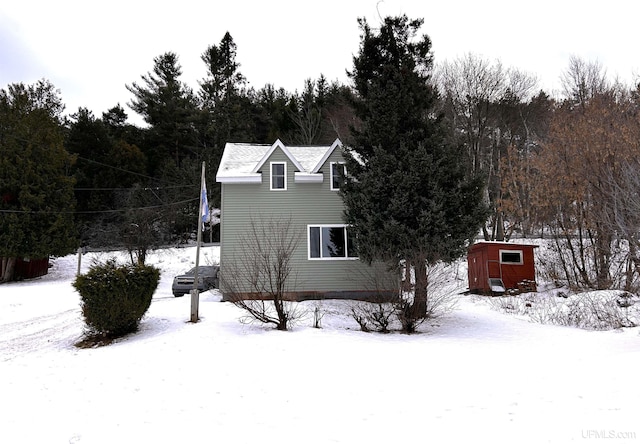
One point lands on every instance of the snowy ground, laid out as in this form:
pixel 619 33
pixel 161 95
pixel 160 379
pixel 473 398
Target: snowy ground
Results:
pixel 474 376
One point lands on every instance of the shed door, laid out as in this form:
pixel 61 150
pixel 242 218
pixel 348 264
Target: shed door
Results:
pixel 477 275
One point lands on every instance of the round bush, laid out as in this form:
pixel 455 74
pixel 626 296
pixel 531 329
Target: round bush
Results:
pixel 116 297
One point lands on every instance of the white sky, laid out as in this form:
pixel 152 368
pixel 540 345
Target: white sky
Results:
pixel 90 51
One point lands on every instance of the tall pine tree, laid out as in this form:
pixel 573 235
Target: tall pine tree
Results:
pixel 36 192
pixel 105 165
pixel 169 106
pixel 226 110
pixel 407 196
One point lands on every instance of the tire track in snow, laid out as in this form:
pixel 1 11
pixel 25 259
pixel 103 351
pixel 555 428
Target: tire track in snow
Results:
pixel 55 331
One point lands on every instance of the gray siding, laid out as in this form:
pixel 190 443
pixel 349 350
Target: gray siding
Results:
pixel 305 204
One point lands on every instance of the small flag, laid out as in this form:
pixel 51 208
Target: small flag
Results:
pixel 206 215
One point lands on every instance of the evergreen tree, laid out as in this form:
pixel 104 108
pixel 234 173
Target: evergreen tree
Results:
pixel 106 165
pixel 223 76
pixel 274 114
pixel 322 108
pixel 170 108
pixel 226 110
pixel 115 120
pixel 88 138
pixel 406 196
pixel 36 192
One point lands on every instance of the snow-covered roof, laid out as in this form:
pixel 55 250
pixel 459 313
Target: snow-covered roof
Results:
pixel 242 162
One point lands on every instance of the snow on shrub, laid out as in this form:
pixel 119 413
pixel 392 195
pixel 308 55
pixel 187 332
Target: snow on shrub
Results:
pixel 599 310
pixel 116 297
pixel 594 310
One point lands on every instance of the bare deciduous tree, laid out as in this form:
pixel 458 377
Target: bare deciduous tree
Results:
pixel 308 118
pixel 260 276
pixel 583 80
pixel 142 227
pixel 581 175
pixel 623 216
pixel 490 108
pixel 471 85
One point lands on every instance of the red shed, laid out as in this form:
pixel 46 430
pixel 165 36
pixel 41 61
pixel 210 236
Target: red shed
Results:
pixel 496 267
pixel 30 268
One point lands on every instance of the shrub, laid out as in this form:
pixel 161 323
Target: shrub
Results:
pixel 595 310
pixel 373 315
pixel 115 298
pixel 598 310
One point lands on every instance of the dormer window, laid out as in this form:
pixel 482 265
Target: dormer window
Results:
pixel 338 171
pixel 278 176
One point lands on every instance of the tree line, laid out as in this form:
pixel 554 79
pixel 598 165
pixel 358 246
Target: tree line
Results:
pixel 560 167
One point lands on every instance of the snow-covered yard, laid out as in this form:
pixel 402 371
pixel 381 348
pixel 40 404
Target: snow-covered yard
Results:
pixel 473 376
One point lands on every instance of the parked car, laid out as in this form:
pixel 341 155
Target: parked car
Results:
pixel 207 279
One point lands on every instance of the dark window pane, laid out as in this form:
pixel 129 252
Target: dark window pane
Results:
pixel 337 175
pixel 333 242
pixel 278 182
pixel 278 169
pixel 277 176
pixel 512 257
pixel 314 241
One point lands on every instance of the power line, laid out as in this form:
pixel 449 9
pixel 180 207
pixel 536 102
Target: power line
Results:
pixel 121 210
pixel 21 139
pixel 132 188
pixel 115 167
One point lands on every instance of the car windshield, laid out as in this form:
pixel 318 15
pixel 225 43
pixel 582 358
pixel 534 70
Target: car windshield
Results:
pixel 202 270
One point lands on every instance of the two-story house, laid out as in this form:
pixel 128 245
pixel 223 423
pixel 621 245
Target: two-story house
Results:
pixel 299 184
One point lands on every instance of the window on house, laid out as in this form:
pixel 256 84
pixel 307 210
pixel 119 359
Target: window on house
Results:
pixel 331 242
pixel 511 257
pixel 338 171
pixel 278 176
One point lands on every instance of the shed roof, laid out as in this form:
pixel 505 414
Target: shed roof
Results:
pixel 492 244
pixel 241 162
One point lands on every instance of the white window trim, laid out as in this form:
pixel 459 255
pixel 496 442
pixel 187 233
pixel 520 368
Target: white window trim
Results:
pixel 271 176
pixel 321 226
pixel 520 252
pixel 344 172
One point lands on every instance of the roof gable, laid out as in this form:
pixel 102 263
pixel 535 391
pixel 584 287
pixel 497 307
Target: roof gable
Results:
pixel 241 163
pixel 328 153
pixel 276 145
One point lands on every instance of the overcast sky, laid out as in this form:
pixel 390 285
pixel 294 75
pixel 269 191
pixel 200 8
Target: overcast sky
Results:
pixel 91 50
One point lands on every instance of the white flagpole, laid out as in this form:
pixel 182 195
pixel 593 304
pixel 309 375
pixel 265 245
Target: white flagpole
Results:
pixel 195 293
